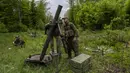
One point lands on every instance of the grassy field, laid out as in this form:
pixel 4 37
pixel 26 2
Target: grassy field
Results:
pixel 12 57
pixel 92 43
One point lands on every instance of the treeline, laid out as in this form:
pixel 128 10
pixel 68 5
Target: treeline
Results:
pixel 19 15
pixel 100 14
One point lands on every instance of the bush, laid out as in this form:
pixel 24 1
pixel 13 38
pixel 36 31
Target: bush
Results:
pixel 86 17
pixel 40 24
pixel 93 15
pixel 17 28
pixel 108 9
pixel 3 29
pixel 119 23
pixel 127 6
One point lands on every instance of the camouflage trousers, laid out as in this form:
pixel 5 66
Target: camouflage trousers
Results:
pixel 58 43
pixel 72 46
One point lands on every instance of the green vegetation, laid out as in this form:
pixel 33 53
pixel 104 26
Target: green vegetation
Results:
pixel 95 14
pixel 107 48
pixel 104 27
pixel 12 57
pixel 18 15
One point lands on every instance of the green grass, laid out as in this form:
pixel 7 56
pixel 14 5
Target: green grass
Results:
pixel 12 60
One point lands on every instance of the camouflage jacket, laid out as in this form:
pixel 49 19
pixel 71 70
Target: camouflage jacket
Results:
pixel 70 30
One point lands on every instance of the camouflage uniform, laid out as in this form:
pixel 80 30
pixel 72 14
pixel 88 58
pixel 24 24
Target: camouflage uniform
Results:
pixel 56 35
pixel 19 42
pixel 71 33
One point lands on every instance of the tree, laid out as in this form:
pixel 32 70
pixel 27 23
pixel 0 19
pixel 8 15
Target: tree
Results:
pixel 26 13
pixel 33 13
pixel 21 14
pixel 71 11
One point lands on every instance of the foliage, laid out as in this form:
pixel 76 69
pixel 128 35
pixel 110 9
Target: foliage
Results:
pixel 91 14
pixel 26 12
pixel 3 29
pixel 86 17
pixel 95 43
pixel 109 49
pixel 40 24
pixel 119 23
pixel 41 18
pixel 18 27
pixel 127 8
pixel 108 10
pixel 71 10
pixel 12 57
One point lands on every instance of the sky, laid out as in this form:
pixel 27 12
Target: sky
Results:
pixel 53 4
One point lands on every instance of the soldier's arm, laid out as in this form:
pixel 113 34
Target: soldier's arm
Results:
pixel 75 30
pixel 46 28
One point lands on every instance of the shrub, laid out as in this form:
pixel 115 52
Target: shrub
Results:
pixel 108 9
pixel 17 28
pixel 93 15
pixel 86 17
pixel 119 23
pixel 40 24
pixel 127 6
pixel 3 29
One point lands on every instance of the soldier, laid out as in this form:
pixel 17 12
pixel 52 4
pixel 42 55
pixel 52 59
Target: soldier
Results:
pixel 18 42
pixel 71 36
pixel 56 35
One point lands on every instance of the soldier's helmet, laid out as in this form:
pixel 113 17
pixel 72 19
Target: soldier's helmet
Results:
pixel 65 18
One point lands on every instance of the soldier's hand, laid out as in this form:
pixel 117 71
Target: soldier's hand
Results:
pixel 76 39
pixel 61 35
